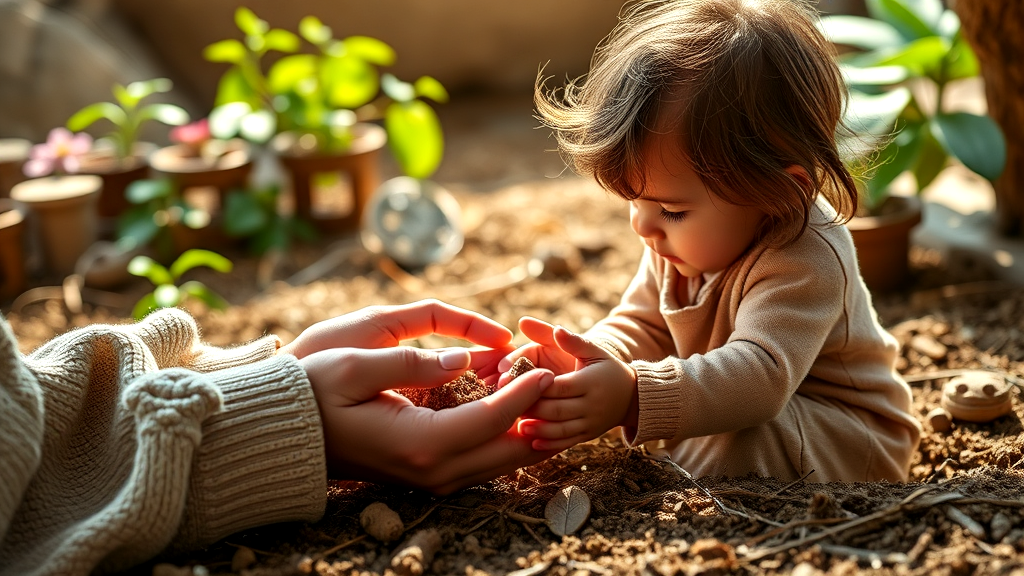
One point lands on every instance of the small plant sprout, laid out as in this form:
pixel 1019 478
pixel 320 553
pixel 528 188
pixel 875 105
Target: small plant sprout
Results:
pixel 128 115
pixel 156 206
pixel 58 155
pixel 167 293
pixel 244 105
pixel 253 214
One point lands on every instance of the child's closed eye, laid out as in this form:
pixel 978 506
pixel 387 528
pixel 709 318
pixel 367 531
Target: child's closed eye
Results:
pixel 673 216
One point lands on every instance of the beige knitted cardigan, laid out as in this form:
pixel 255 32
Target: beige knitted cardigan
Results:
pixel 119 442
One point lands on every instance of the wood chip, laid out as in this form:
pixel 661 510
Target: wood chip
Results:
pixel 567 510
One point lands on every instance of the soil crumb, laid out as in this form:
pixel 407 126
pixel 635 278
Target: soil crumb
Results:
pixel 465 388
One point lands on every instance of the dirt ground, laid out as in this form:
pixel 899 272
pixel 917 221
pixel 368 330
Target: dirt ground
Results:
pixel 961 513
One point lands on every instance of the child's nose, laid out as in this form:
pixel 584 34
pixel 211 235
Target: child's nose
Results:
pixel 644 221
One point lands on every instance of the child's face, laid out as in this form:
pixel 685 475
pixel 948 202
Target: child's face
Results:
pixel 680 219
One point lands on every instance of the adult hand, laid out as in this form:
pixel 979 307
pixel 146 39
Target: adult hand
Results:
pixel 372 433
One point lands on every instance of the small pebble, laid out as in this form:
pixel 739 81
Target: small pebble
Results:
pixel 940 420
pixel 929 346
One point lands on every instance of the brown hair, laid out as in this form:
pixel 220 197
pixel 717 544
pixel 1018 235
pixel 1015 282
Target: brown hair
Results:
pixel 757 88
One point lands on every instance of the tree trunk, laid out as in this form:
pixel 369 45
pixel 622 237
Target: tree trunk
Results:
pixel 995 29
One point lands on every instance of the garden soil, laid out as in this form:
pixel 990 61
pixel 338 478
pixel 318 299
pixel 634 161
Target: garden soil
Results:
pixel 962 512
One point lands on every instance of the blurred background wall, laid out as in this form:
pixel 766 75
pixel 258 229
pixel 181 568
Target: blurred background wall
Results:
pixel 59 55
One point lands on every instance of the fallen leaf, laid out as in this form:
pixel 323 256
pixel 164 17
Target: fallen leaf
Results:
pixel 567 510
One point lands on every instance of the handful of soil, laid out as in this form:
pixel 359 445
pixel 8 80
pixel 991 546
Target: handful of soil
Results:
pixel 465 388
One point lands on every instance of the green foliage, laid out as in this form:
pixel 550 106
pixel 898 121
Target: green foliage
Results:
pixel 156 206
pixel 167 293
pixel 128 115
pixel 910 41
pixel 323 93
pixel 253 214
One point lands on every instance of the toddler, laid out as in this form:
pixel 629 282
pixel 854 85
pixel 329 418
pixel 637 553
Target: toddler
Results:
pixel 747 341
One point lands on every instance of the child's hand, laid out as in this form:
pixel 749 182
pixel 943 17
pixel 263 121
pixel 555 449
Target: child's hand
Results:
pixel 600 395
pixel 544 353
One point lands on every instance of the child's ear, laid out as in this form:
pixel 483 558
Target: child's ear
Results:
pixel 797 171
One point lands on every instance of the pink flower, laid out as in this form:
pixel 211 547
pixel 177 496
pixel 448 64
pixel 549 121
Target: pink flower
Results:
pixel 59 154
pixel 194 134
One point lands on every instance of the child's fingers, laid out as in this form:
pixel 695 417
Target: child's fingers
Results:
pixel 537 330
pixel 578 346
pixel 544 430
pixel 558 410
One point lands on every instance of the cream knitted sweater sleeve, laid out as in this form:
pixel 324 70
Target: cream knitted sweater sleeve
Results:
pixel 119 442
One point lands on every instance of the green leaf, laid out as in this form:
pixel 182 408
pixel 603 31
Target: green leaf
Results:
pixel 961 61
pixel 860 32
pixel 414 134
pixel 895 158
pixel 974 140
pixel 249 23
pixel 167 296
pixel 126 100
pixel 144 88
pixel 144 306
pixel 142 191
pixel 314 31
pixel 396 89
pixel 913 19
pixel 136 228
pixel 369 49
pixel 200 291
pixel 230 50
pixel 258 126
pixel 873 76
pixel 148 268
pixel 289 71
pixel 243 215
pixel 281 40
pixel 875 116
pixel 922 57
pixel 233 87
pixel 429 87
pixel 931 161
pixel 166 113
pixel 348 81
pixel 93 112
pixel 226 119
pixel 197 257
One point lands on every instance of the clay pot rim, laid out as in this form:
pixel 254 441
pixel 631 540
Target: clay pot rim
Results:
pixel 14 149
pixel 101 161
pixel 366 137
pixel 176 159
pixel 11 214
pixel 35 192
pixel 909 215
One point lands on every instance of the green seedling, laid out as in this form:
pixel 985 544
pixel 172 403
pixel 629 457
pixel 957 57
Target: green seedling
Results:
pixel 168 293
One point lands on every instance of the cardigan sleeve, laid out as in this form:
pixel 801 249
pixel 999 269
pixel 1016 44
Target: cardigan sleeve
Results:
pixel 636 329
pixel 788 307
pixel 173 444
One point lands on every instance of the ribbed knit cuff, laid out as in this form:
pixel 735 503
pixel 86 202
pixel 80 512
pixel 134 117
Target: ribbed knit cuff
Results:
pixel 657 385
pixel 261 459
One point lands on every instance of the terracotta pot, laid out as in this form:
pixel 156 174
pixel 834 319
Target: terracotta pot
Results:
pixel 117 174
pixel 12 249
pixel 883 242
pixel 358 167
pixel 64 211
pixel 13 154
pixel 227 171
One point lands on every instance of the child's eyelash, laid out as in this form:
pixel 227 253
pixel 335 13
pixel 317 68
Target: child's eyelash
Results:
pixel 673 216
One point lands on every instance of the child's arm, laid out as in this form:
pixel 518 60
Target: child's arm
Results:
pixel 581 405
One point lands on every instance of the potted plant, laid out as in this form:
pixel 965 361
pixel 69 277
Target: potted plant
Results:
pixel 317 107
pixel 161 219
pixel 204 168
pixel 120 158
pixel 167 293
pixel 903 50
pixel 61 203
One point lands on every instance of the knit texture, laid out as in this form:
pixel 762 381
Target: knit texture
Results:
pixel 119 442
pixel 778 366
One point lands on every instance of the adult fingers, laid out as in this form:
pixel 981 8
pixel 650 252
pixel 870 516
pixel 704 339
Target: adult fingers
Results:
pixel 358 374
pixel 464 427
pixel 435 317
